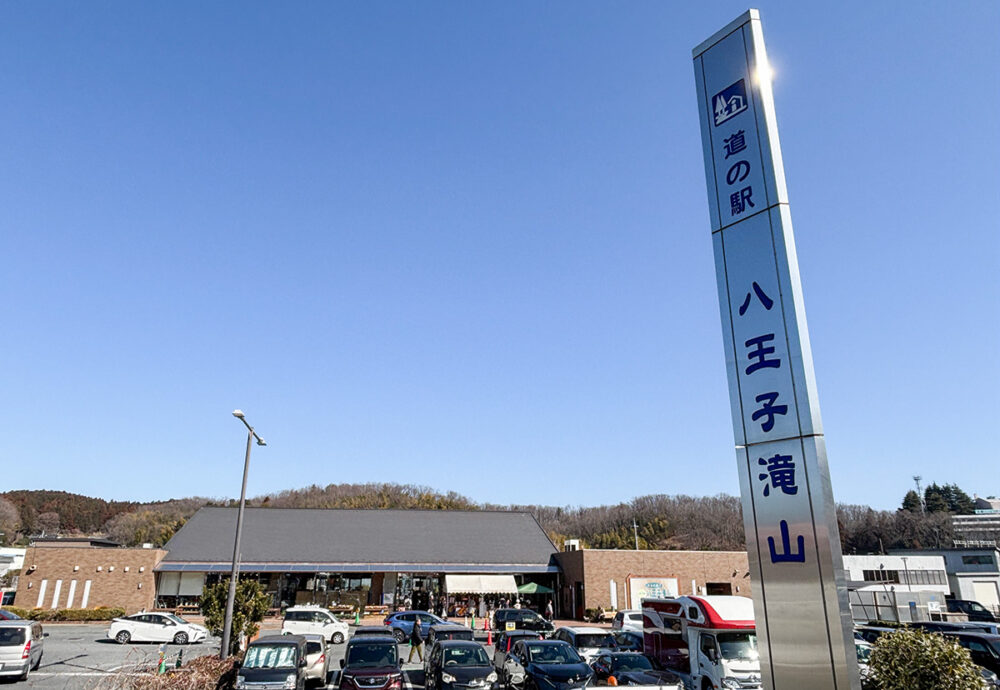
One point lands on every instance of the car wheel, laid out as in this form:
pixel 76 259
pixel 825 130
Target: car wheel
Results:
pixel 123 637
pixel 338 637
pixel 706 684
pixel 181 638
pixel 399 635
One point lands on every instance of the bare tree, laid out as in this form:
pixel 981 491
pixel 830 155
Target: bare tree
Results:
pixel 10 522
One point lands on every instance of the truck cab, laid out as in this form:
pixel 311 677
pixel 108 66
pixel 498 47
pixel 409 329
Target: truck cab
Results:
pixel 711 641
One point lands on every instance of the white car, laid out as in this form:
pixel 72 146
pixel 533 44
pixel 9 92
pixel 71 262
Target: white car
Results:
pixel 630 619
pixel 315 620
pixel 155 627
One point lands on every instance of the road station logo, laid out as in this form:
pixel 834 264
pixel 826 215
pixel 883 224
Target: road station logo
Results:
pixel 730 102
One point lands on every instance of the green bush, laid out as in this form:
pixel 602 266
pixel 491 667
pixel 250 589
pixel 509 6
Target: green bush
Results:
pixel 102 613
pixel 910 658
pixel 17 611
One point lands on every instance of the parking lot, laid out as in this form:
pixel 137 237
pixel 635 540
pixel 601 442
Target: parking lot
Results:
pixel 79 657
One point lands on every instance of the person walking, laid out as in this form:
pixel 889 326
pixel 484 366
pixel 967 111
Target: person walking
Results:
pixel 549 612
pixel 416 642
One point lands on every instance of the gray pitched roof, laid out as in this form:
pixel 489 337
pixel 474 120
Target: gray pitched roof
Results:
pixel 362 540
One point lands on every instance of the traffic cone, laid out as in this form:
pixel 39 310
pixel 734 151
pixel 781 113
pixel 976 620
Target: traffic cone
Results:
pixel 489 635
pixel 180 659
pixel 473 621
pixel 357 618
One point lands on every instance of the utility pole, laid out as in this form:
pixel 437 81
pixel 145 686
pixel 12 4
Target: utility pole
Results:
pixel 635 531
pixel 920 493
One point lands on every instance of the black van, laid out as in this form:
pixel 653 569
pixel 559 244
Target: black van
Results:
pixel 274 661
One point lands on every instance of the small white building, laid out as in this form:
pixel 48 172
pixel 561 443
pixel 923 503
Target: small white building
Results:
pixel 903 573
pixel 11 559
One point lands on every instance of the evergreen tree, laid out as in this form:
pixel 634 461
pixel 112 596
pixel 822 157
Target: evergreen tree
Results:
pixel 911 502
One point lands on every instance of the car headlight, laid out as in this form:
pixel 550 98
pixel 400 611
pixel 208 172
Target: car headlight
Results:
pixel 492 678
pixel 290 682
pixel 731 683
pixel 447 678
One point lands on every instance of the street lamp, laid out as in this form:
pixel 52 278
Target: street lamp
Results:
pixel 227 626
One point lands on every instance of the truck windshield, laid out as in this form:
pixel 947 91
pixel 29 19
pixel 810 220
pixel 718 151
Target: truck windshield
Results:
pixel 266 656
pixel 741 646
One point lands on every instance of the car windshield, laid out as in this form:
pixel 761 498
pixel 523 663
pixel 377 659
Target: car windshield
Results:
pixel 465 656
pixel 595 641
pixel 11 637
pixel 864 653
pixel 267 656
pixel 553 654
pixel 632 662
pixel 9 615
pixel 738 646
pixel 976 607
pixel 177 619
pixel 530 616
pixel 371 655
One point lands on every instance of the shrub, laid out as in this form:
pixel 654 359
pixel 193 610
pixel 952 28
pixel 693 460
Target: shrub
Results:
pixel 76 615
pixel 18 611
pixel 911 658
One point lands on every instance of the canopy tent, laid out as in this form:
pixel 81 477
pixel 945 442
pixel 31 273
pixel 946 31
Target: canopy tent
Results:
pixel 533 588
pixel 480 584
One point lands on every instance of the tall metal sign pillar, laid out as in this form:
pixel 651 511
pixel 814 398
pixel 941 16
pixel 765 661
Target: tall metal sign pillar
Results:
pixel 804 626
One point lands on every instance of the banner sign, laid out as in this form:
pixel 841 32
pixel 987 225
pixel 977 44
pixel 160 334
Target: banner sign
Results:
pixel 804 628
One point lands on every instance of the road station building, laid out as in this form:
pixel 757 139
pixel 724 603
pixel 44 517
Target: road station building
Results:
pixel 619 578
pixel 334 557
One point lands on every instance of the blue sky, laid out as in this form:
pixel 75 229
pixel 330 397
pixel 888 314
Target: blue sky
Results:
pixel 466 245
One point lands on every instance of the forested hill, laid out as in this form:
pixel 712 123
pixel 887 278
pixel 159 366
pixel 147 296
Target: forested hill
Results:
pixel 664 522
pixel 51 511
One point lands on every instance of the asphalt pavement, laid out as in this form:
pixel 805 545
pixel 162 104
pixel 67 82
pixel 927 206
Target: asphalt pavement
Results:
pixel 80 657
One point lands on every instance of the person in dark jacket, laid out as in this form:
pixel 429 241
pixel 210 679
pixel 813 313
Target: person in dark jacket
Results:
pixel 416 642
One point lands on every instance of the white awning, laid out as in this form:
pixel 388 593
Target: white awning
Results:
pixel 480 584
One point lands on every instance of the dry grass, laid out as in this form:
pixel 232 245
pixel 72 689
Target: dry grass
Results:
pixel 202 673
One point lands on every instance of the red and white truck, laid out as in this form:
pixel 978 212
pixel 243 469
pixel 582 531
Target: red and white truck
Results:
pixel 710 642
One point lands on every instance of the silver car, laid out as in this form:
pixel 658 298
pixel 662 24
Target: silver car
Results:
pixel 20 647
pixel 317 658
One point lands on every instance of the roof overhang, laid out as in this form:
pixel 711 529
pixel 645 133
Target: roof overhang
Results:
pixel 470 568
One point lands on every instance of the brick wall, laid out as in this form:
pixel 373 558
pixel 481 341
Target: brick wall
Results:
pixel 595 568
pixel 124 578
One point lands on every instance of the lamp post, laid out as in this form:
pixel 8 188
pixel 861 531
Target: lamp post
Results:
pixel 227 626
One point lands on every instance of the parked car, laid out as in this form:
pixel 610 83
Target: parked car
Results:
pixel 983 648
pixel 589 642
pixel 6 615
pixel 545 665
pixel 870 633
pixel 628 641
pixel 449 631
pixel 301 620
pixel 21 647
pixel 521 619
pixel 155 627
pixel 630 619
pixel 370 630
pixel 371 662
pixel 631 668
pixel 958 626
pixel 504 642
pixel 317 658
pixel 275 661
pixel 402 623
pixel 443 633
pixel 454 664
pixel 973 609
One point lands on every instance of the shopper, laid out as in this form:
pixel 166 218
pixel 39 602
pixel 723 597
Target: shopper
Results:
pixel 416 642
